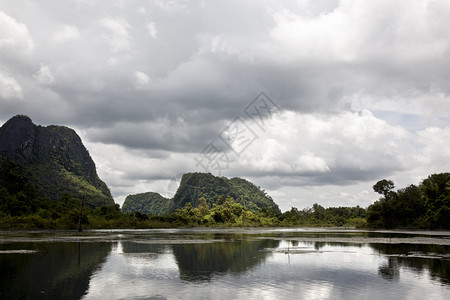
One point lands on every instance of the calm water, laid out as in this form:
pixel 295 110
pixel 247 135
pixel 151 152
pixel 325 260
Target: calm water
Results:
pixel 225 264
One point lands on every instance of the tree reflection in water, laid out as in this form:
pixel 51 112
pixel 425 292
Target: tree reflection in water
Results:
pixel 56 271
pixel 417 258
pixel 200 262
pixel 390 270
pixel 178 262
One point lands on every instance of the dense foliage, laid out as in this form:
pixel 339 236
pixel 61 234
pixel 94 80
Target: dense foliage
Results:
pixel 424 206
pixel 65 214
pixel 54 160
pixel 18 195
pixel 201 200
pixel 147 203
pixel 325 217
pixel 215 190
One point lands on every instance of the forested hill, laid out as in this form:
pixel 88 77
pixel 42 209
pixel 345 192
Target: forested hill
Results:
pixel 194 186
pixel 147 203
pixel 53 159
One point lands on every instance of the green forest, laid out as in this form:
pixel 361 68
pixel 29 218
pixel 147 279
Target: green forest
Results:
pixel 147 203
pixel 425 206
pixel 196 186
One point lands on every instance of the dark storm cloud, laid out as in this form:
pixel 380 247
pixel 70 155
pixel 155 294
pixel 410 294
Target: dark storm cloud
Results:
pixel 206 61
pixel 162 79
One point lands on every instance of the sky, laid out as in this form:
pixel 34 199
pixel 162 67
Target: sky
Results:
pixel 313 101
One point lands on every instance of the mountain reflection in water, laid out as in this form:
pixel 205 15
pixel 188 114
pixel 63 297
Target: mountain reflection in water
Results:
pixel 223 264
pixel 56 271
pixel 234 255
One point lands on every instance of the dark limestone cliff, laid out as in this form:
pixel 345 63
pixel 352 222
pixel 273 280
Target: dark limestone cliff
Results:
pixel 55 160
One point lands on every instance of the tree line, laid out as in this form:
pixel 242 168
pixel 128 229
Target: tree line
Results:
pixel 425 206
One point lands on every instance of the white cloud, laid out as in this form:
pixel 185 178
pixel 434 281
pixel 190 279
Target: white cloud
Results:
pixel 67 33
pixel 338 146
pixel 152 29
pixel 44 75
pixel 14 35
pixel 435 152
pixel 142 80
pixel 118 35
pixel 142 10
pixel 358 31
pixel 9 87
pixel 172 6
pixel 310 162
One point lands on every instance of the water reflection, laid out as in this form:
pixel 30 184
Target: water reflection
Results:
pixel 151 249
pixel 421 259
pixel 199 262
pixel 222 265
pixel 390 270
pixel 54 271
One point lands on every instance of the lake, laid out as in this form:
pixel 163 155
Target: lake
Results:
pixel 227 264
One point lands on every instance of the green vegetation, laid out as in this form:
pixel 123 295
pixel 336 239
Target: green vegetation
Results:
pixel 318 216
pixel 54 160
pixel 18 195
pixel 424 206
pixel 213 189
pixel 231 213
pixel 147 203
pixel 64 214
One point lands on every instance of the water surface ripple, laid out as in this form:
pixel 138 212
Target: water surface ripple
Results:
pixel 242 263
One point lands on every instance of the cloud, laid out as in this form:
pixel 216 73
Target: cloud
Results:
pixel 362 87
pixel 14 36
pixel 141 79
pixel 9 87
pixel 320 149
pixel 158 134
pixel 142 10
pixel 117 36
pixel 434 151
pixel 152 29
pixel 67 33
pixel 379 52
pixel 383 32
pixel 44 75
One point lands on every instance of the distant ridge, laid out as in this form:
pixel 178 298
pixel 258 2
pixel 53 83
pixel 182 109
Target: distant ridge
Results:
pixel 55 160
pixel 196 185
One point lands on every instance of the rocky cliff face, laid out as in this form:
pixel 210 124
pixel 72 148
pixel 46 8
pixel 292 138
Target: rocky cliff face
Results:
pixel 196 185
pixel 55 159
